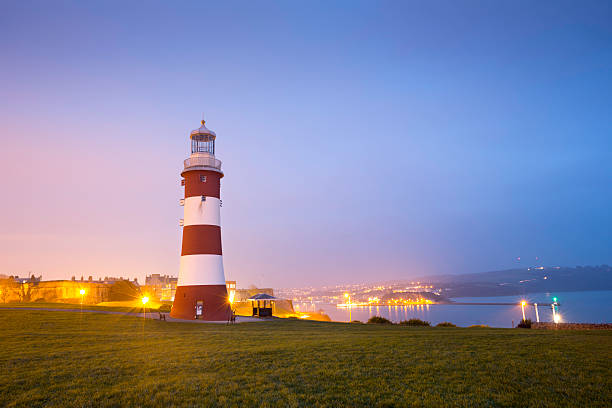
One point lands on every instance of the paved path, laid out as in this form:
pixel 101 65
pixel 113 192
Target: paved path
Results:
pixel 149 315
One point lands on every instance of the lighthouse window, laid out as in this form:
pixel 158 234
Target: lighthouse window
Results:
pixel 203 179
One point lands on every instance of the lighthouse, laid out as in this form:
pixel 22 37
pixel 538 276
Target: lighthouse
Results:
pixel 201 292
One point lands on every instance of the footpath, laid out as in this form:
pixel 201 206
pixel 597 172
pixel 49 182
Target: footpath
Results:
pixel 149 315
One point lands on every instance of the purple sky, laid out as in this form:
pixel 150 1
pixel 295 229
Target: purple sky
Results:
pixel 361 141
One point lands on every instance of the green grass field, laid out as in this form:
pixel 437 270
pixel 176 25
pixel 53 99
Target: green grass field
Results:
pixel 38 305
pixel 67 359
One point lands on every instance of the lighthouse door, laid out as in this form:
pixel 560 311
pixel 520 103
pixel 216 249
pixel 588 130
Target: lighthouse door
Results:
pixel 199 308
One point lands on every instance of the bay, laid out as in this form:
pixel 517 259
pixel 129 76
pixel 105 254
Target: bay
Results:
pixel 575 307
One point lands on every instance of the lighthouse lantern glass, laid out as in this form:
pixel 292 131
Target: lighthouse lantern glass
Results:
pixel 204 144
pixel 203 140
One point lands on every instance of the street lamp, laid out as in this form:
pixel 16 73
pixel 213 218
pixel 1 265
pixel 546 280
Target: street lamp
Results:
pixel 554 310
pixel 144 300
pixel 82 293
pixel 523 303
pixel 346 295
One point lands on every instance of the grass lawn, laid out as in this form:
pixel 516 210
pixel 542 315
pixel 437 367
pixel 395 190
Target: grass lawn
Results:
pixel 43 305
pixel 67 359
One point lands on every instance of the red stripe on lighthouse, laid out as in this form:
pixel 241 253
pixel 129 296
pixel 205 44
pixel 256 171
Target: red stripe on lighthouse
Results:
pixel 195 186
pixel 215 305
pixel 201 239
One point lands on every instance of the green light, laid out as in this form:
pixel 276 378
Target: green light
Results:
pixel 554 299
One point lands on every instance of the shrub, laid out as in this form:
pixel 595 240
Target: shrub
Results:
pixel 122 291
pixel 378 320
pixel 164 308
pixel 478 326
pixel 414 322
pixel 524 324
pixel 356 321
pixel 445 324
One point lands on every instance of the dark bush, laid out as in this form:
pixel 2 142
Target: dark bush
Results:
pixel 378 320
pixel 164 308
pixel 357 321
pixel 524 324
pixel 123 290
pixel 415 322
pixel 445 324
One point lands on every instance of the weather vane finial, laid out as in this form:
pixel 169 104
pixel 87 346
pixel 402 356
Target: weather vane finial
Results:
pixel 203 121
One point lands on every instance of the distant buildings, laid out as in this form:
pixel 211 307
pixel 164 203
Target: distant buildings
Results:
pixel 242 295
pixel 34 289
pixel 161 287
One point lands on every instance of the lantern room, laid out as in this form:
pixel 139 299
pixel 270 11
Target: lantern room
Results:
pixel 203 140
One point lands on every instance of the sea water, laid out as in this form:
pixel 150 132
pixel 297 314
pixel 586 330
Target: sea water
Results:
pixel 575 307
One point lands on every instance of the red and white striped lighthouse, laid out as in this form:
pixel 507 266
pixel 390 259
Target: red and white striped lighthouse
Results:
pixel 201 292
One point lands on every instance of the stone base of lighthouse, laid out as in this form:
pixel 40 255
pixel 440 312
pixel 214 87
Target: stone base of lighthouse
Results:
pixel 202 302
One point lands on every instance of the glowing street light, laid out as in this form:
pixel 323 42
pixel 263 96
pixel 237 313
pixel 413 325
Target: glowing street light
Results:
pixel 144 300
pixel 554 310
pixel 523 303
pixel 346 295
pixel 82 292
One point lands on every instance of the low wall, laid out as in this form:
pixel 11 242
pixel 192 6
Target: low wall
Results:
pixel 572 326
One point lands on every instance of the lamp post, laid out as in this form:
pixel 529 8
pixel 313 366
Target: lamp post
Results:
pixel 82 293
pixel 144 300
pixel 523 303
pixel 535 305
pixel 556 316
pixel 346 295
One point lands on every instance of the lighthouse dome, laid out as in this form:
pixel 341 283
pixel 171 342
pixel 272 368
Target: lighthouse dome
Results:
pixel 203 133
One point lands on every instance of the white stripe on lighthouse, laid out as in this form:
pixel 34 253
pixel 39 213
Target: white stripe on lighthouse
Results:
pixel 201 269
pixel 198 212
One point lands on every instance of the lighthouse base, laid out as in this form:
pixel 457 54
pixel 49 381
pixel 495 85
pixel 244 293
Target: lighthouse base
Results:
pixel 201 302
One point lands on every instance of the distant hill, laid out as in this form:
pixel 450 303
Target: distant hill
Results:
pixel 522 281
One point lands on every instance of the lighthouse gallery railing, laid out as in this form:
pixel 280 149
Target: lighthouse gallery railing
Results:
pixel 203 161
